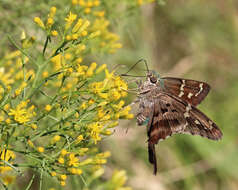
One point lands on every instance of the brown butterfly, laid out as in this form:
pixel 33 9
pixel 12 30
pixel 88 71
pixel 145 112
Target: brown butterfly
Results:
pixel 168 106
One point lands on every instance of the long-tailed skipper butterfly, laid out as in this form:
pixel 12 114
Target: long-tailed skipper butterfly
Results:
pixel 167 106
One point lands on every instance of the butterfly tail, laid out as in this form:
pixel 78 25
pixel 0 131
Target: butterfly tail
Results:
pixel 152 156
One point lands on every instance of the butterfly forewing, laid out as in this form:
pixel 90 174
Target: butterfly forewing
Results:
pixel 188 90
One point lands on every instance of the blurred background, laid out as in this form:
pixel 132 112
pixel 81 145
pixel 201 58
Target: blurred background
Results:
pixel 190 39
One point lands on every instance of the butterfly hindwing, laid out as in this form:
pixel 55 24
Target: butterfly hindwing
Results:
pixel 190 91
pixel 174 115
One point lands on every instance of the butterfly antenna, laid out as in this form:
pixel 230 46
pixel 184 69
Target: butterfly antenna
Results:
pixel 133 66
pixel 118 66
pixel 147 68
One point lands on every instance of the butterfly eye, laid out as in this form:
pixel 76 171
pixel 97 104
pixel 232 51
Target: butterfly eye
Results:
pixel 153 79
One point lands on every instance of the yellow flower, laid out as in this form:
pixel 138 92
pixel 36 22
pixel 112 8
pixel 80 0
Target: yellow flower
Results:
pixel 125 113
pixel 84 33
pixel 119 178
pixel 86 162
pixel 90 70
pixel 39 22
pixel 62 183
pixel 99 13
pixel 70 19
pixel 87 10
pixel 83 106
pixel 63 177
pixel 8 179
pixel 81 2
pixel 77 25
pixel 50 22
pixel 73 161
pixel 101 68
pixel 40 149
pixel 91 101
pixel 73 170
pixel 74 36
pixel 33 126
pixel 61 160
pixel 79 138
pixel 100 161
pixel 109 75
pixel 6 107
pixel 79 60
pixel 52 11
pixel 104 154
pixel 30 143
pixel 21 113
pixel 114 95
pixel 94 34
pixel 63 152
pixel 53 174
pixel 5 155
pixel 45 74
pixel 95 129
pixel 106 132
pixel 48 107
pixel 54 33
pixel 84 26
pixel 56 138
pixel 96 3
pixel 74 2
pixel 79 172
pixel 81 70
pixel 8 121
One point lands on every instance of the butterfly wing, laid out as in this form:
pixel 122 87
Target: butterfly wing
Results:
pixel 190 91
pixel 173 115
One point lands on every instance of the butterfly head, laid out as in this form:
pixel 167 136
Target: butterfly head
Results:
pixel 153 82
pixel 153 77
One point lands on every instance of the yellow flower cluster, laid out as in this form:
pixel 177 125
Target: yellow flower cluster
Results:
pixel 109 41
pixel 112 88
pixel 5 157
pixel 87 5
pixel 21 113
pixel 49 22
pixel 84 29
pixel 118 180
pixel 57 102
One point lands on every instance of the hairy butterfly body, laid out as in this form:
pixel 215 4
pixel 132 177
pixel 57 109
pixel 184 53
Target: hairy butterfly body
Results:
pixel 167 106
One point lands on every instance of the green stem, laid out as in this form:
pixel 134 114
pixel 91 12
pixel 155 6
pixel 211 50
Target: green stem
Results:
pixel 21 50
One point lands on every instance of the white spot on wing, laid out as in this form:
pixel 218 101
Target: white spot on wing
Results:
pixel 182 89
pixel 186 114
pixel 210 124
pixel 201 88
pixel 181 94
pixel 182 86
pixel 188 108
pixel 197 122
pixel 190 95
